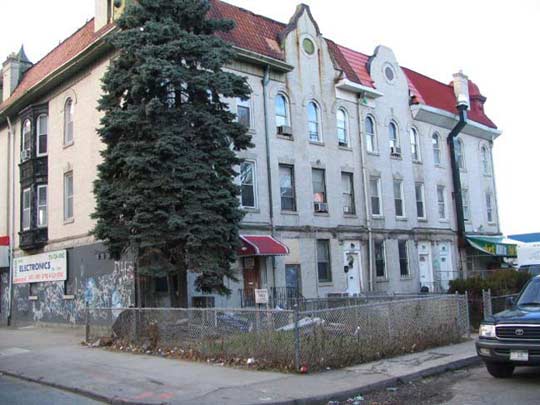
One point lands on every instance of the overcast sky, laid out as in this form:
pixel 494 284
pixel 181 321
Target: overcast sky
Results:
pixel 495 42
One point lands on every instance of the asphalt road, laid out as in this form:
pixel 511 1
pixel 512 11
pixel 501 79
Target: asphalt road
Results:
pixel 473 386
pixel 19 392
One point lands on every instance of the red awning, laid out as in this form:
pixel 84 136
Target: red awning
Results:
pixel 256 245
pixel 4 240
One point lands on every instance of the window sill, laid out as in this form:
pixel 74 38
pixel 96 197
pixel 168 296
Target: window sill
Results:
pixel 396 157
pixel 286 212
pixel 487 174
pixel 443 221
pixel 372 153
pixel 492 223
pixel 326 283
pixel 32 298
pixel 417 162
pixel 251 131
pixel 403 219
pixel 381 280
pixel 345 148
pixel 251 210
pixel 321 214
pixel 350 216
pixel 405 278
pixel 41 155
pixel 317 143
pixel 439 166
pixel 69 297
pixel 69 221
pixel 67 145
pixel 377 216
pixel 422 219
pixel 285 137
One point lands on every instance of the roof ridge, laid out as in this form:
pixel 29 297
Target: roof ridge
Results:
pixel 426 76
pixel 61 43
pixel 351 49
pixel 245 10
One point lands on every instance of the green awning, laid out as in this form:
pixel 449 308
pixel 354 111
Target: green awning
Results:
pixel 493 245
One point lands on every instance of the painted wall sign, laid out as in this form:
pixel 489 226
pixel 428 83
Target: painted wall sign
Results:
pixel 50 266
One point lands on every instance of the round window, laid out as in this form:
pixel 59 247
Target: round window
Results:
pixel 309 46
pixel 389 73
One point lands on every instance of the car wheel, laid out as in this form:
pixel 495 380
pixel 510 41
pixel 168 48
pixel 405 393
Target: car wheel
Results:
pixel 500 370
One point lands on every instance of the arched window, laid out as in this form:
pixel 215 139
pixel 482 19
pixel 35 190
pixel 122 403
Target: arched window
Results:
pixel 41 135
pixel 486 166
pixel 26 140
pixel 458 149
pixel 393 138
pixel 371 144
pixel 342 127
pixel 314 122
pixel 68 121
pixel 415 145
pixel 436 140
pixel 282 112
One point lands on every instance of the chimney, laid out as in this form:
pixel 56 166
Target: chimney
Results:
pixel 461 89
pixel 13 70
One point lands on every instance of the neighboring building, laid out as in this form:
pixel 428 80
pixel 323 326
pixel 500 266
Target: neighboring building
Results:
pixel 349 191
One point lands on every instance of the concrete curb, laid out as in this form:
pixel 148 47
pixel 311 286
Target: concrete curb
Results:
pixel 389 382
pixel 315 400
pixel 78 391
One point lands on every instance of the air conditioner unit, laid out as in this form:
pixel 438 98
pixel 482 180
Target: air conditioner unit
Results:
pixel 284 130
pixel 348 210
pixel 25 154
pixel 320 207
pixel 395 151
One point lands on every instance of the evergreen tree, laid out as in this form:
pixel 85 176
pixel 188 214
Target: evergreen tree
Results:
pixel 165 188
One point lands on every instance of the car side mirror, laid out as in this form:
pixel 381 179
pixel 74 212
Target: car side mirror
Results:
pixel 510 301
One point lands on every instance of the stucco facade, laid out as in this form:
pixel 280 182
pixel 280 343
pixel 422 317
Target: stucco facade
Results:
pixel 432 255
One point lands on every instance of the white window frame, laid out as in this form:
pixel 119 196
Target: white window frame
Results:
pixel 422 200
pixel 489 207
pixel 379 196
pixel 383 244
pixel 371 136
pixel 465 203
pixel 415 145
pixel 39 134
pixel 318 122
pixel 244 104
pixel 399 197
pixel 286 118
pixel 253 163
pixel 346 143
pixel 407 258
pixel 69 199
pixel 486 163
pixel 26 136
pixel 39 206
pixel 69 121
pixel 436 149
pixel 460 158
pixel 443 202
pixel 290 170
pixel 26 212
pixel 393 142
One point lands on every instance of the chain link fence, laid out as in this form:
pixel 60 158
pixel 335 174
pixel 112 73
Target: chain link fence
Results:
pixel 494 304
pixel 287 339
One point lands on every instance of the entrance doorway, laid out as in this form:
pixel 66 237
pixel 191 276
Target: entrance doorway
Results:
pixel 353 268
pixel 445 266
pixel 424 265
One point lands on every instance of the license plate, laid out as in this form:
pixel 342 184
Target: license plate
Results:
pixel 519 355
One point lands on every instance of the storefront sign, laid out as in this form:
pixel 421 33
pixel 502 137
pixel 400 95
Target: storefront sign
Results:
pixel 50 266
pixel 261 296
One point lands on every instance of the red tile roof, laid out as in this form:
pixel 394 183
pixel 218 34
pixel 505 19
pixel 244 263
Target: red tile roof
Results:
pixel 261 35
pixel 64 52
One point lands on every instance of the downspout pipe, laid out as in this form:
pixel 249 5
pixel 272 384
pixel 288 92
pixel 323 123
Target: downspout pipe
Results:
pixel 11 221
pixel 456 177
pixel 265 82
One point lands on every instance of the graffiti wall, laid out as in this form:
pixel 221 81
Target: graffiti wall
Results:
pixel 93 278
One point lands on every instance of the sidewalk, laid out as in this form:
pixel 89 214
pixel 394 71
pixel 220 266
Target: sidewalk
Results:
pixel 55 357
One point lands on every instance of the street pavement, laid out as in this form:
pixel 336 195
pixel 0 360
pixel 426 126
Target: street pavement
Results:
pixel 57 358
pixel 18 392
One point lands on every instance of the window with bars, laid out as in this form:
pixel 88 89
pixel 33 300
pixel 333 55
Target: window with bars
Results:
pixel 287 187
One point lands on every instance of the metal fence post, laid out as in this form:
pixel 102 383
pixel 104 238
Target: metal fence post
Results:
pixel 467 316
pixel 486 303
pixel 87 322
pixel 296 338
